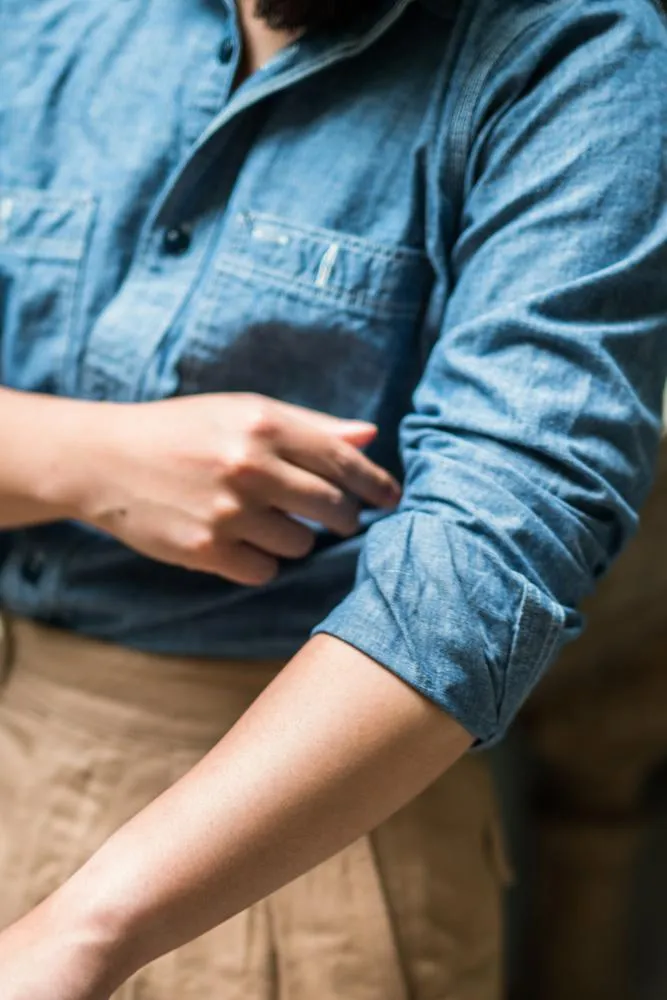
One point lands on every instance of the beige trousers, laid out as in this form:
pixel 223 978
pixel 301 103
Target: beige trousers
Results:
pixel 89 734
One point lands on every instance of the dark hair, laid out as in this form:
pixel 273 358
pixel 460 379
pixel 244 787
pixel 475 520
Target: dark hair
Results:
pixel 292 15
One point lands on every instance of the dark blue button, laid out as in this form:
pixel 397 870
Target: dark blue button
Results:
pixel 176 240
pixel 226 51
pixel 33 567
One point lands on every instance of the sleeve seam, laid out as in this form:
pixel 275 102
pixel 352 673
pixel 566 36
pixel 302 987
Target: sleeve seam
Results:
pixel 462 121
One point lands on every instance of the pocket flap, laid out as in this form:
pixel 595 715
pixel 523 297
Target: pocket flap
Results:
pixel 38 224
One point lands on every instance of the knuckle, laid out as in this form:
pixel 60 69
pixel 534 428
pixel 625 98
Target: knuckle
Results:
pixel 197 542
pixel 337 500
pixel 260 418
pixel 225 509
pixel 346 513
pixel 339 503
pixel 338 454
pixel 240 464
pixel 345 461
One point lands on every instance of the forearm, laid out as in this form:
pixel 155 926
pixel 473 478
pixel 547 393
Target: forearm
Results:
pixel 333 747
pixel 43 448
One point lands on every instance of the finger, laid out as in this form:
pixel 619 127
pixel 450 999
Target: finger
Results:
pixel 275 533
pixel 242 563
pixel 357 434
pixel 317 442
pixel 303 494
pixel 298 493
pixel 341 464
pixel 360 431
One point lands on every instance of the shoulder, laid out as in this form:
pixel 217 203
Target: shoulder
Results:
pixel 497 23
pixel 491 40
pixel 526 36
pixel 555 50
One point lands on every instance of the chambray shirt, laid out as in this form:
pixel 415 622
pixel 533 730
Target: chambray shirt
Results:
pixel 451 220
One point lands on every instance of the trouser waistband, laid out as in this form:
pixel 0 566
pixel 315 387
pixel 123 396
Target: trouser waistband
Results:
pixel 204 696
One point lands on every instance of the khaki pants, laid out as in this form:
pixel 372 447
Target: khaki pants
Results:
pixel 89 734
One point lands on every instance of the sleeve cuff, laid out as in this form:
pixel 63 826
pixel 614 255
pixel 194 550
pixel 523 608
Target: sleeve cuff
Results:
pixel 467 663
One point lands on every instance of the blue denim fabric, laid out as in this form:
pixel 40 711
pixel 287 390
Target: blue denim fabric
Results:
pixel 451 220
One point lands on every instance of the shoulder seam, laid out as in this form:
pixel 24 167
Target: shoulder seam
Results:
pixel 460 132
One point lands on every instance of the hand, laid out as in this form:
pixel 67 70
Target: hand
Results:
pixel 214 482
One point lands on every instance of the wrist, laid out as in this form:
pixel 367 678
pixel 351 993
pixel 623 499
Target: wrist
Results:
pixel 79 458
pixel 93 933
pixel 101 905
pixel 68 951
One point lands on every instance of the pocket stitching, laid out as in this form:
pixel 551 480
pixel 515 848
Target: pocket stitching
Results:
pixel 45 247
pixel 355 244
pixel 228 265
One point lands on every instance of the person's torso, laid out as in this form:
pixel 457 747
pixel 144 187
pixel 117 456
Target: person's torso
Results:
pixel 161 234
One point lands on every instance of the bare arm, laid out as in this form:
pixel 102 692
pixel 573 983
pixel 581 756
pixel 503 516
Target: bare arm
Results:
pixel 36 439
pixel 333 747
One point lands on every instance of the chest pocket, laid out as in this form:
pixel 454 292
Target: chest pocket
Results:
pixel 43 238
pixel 309 315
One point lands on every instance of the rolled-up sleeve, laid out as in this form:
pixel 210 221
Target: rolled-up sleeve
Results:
pixel 531 444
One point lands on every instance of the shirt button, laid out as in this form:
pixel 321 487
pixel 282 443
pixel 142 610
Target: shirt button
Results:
pixel 226 51
pixel 176 240
pixel 33 567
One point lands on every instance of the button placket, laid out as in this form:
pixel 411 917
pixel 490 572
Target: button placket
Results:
pixel 216 68
pixel 127 336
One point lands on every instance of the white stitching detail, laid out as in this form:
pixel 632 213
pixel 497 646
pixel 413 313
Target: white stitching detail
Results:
pixel 326 267
pixel 6 212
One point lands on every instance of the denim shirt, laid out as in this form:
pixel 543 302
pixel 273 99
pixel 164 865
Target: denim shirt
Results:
pixel 450 220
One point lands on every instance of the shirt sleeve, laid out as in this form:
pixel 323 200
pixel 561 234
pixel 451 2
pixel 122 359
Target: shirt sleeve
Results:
pixel 532 440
